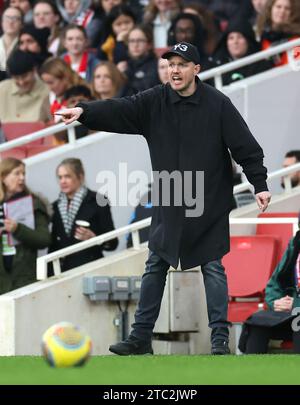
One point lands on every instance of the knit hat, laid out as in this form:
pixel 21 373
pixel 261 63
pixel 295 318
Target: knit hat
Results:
pixel 20 62
pixel 41 35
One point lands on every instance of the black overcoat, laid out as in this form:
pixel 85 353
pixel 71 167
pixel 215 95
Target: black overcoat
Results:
pixel 187 134
pixel 100 220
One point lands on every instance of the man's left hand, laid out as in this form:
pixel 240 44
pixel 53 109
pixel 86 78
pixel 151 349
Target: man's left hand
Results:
pixel 263 200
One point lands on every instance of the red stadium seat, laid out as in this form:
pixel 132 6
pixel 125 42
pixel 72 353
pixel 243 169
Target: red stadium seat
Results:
pixel 284 232
pixel 14 130
pixel 18 153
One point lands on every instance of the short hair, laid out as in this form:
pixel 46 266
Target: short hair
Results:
pixel 79 90
pixel 293 153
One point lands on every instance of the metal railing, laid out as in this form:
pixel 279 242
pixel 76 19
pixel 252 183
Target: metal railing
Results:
pixel 217 72
pixel 43 261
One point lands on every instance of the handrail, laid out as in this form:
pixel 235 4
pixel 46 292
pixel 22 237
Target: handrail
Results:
pixel 42 262
pixel 217 72
pixel 285 171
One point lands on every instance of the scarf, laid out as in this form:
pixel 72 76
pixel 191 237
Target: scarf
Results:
pixel 68 211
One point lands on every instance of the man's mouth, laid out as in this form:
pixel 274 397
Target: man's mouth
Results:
pixel 176 79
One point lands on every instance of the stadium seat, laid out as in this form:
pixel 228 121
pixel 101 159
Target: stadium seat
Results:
pixel 18 153
pixel 248 266
pixel 14 130
pixel 284 232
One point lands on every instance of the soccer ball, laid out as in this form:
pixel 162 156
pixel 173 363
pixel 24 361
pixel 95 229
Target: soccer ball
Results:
pixel 65 345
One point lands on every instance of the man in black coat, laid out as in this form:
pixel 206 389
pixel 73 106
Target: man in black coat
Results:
pixel 189 127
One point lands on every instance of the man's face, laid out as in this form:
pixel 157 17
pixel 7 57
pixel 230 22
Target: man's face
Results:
pixel 71 6
pixel 28 43
pixel 25 82
pixel 295 177
pixel 182 75
pixel 185 31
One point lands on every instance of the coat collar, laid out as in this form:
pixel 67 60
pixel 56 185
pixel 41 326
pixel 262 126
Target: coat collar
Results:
pixel 194 98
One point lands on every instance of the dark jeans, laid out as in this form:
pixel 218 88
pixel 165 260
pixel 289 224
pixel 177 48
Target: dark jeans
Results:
pixel 152 288
pixel 259 336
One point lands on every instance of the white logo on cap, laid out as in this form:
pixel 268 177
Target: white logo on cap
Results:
pixel 182 47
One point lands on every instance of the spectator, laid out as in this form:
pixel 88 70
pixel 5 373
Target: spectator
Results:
pixel 79 12
pixel 188 28
pixel 35 40
pixel 282 295
pixel 12 20
pixel 118 23
pixel 291 158
pixel 224 10
pixel 77 202
pixel 163 73
pixel 237 42
pixel 210 25
pixel 18 261
pixel 279 23
pixel 77 56
pixel 25 95
pixel 160 14
pixel 25 6
pixel 251 12
pixel 107 81
pixel 141 70
pixel 46 15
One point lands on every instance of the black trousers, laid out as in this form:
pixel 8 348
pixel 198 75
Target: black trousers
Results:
pixel 259 336
pixel 152 288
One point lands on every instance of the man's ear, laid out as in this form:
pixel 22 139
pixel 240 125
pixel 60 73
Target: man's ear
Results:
pixel 197 69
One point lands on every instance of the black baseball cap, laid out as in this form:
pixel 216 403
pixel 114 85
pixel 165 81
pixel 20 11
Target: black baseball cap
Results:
pixel 187 51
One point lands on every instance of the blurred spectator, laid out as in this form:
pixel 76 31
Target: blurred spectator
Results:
pixel 77 202
pixel 142 211
pixel 46 15
pixel 141 70
pixel 102 9
pixel 12 20
pixel 188 28
pixel 25 6
pixel 18 261
pixel 35 40
pixel 224 10
pixel 163 73
pixel 77 56
pixel 79 12
pixel 25 97
pixel 118 23
pixel 237 42
pixel 282 295
pixel 207 19
pixel 73 96
pixel 160 14
pixel 59 77
pixel 251 12
pixel 291 158
pixel 279 23
pixel 107 81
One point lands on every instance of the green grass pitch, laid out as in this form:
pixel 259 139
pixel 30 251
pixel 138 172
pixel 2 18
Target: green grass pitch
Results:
pixel 156 370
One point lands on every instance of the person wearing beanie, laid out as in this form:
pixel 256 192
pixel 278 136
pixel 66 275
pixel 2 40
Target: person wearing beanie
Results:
pixel 26 96
pixel 35 40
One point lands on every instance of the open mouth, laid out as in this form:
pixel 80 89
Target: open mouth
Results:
pixel 176 79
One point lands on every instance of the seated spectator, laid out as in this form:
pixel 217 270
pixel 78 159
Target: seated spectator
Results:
pixel 18 255
pixel 11 22
pixel 251 12
pixel 162 68
pixel 117 25
pixel 77 202
pixel 279 23
pixel 141 69
pixel 291 158
pixel 142 211
pixel 108 81
pixel 82 61
pixel 25 6
pixel 237 42
pixel 46 15
pixel 224 10
pixel 160 15
pixel 80 12
pixel 210 25
pixel 282 295
pixel 35 40
pixel 26 96
pixel 188 28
